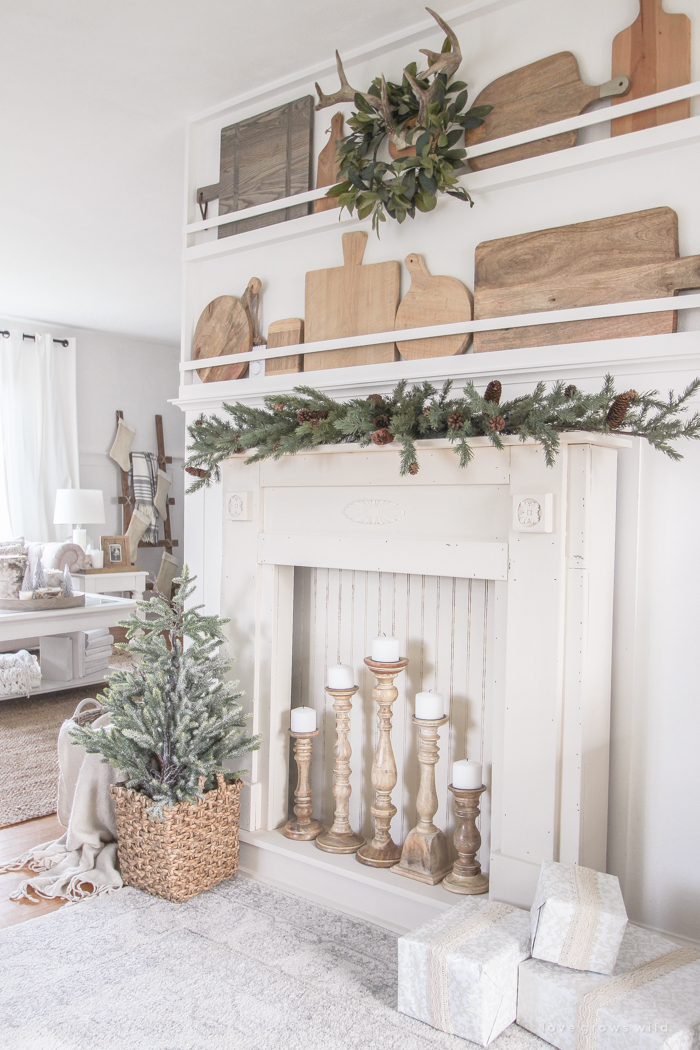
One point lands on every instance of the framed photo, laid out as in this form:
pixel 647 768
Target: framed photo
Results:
pixel 116 552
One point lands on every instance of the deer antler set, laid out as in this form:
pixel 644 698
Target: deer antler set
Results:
pixel 447 62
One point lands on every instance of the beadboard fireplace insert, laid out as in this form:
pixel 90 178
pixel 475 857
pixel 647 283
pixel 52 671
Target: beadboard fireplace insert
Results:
pixel 497 579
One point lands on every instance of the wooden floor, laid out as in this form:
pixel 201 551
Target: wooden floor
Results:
pixel 14 841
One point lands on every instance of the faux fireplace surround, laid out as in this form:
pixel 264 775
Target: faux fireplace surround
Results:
pixel 545 536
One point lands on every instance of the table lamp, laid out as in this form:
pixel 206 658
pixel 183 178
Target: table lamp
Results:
pixel 79 507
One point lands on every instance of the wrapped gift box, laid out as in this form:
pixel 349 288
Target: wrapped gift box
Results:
pixel 459 972
pixel 578 918
pixel 652 1000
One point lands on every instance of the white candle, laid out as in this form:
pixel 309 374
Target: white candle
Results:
pixel 342 676
pixel 385 650
pixel 26 595
pixel 430 705
pixel 303 720
pixel 466 774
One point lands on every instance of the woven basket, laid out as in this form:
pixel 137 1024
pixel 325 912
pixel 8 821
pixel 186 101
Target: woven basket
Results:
pixel 193 848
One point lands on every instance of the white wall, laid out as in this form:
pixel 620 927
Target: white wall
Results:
pixel 138 377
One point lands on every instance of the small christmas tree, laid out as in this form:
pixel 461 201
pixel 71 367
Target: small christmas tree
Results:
pixel 67 584
pixel 39 576
pixel 174 719
pixel 27 580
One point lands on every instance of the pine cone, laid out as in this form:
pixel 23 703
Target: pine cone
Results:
pixel 497 423
pixel 426 410
pixel 305 415
pixel 198 422
pixel 197 472
pixel 382 437
pixel 275 446
pixel 618 409
pixel 493 391
pixel 315 424
pixel 413 469
pixel 322 414
pixel 377 398
pixel 455 420
pixel 279 406
pixel 381 421
pixel 570 390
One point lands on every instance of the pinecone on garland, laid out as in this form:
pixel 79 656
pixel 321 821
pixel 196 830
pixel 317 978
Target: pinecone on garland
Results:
pixel 275 446
pixel 377 398
pixel 197 472
pixel 321 414
pixel 198 422
pixel 382 437
pixel 305 415
pixel 497 423
pixel 413 469
pixel 279 407
pixel 381 422
pixel 315 424
pixel 493 391
pixel 455 420
pixel 618 409
pixel 426 410
pixel 570 391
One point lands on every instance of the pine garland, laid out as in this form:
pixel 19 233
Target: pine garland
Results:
pixel 307 418
pixel 174 719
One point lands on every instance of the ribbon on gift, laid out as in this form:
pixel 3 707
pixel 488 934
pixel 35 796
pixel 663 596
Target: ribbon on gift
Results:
pixel 438 978
pixel 587 908
pixel 592 1002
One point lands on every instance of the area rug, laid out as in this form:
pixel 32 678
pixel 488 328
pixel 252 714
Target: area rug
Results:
pixel 240 967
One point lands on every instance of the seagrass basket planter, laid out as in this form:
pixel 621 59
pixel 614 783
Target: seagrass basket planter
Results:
pixel 193 848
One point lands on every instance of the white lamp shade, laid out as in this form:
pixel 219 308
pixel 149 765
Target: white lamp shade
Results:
pixel 79 507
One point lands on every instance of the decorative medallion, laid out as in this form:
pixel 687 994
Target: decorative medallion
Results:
pixel 239 506
pixel 529 512
pixel 374 511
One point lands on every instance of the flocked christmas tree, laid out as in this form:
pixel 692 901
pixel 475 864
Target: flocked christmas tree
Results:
pixel 27 581
pixel 67 584
pixel 174 720
pixel 39 576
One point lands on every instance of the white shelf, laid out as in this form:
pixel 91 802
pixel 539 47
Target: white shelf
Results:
pixel 48 685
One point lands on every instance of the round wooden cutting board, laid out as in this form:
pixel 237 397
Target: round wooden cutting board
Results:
pixel 224 327
pixel 432 300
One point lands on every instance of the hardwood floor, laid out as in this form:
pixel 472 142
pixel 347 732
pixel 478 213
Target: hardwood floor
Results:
pixel 13 842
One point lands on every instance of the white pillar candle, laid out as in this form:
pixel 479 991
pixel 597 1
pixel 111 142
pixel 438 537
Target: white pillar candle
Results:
pixel 430 705
pixel 342 676
pixel 385 650
pixel 466 774
pixel 303 720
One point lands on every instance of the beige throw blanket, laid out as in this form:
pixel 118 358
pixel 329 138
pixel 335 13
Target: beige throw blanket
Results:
pixel 82 862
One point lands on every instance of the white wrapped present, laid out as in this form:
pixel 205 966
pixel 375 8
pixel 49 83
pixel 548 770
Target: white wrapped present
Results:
pixel 578 917
pixel 651 1002
pixel 459 972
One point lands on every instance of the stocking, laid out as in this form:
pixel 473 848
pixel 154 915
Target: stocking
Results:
pixel 161 499
pixel 119 451
pixel 137 526
pixel 166 574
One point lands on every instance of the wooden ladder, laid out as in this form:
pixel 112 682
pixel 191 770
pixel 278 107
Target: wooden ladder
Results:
pixel 127 501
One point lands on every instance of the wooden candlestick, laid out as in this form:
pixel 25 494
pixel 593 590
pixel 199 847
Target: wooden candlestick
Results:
pixel 466 875
pixel 305 826
pixel 425 855
pixel 340 838
pixel 382 851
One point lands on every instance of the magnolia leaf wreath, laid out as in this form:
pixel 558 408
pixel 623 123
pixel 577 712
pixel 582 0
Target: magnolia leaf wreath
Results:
pixel 292 423
pixel 422 120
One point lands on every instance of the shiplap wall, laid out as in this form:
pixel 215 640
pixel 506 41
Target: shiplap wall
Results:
pixel 444 626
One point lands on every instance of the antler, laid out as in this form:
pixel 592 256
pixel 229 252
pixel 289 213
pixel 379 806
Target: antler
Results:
pixel 425 96
pixel 449 61
pixel 382 104
pixel 346 93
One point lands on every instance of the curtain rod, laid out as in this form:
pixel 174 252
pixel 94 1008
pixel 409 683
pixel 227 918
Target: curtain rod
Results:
pixel 6 335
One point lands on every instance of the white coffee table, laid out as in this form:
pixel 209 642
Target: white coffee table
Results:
pixel 106 582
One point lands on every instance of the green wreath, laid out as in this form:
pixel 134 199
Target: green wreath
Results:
pixel 425 115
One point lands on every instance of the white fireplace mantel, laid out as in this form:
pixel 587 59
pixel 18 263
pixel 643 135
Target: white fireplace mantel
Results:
pixel 545 536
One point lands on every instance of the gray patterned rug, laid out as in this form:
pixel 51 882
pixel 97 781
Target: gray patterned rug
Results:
pixel 241 967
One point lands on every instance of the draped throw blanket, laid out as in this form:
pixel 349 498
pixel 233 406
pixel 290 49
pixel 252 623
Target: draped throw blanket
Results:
pixel 144 482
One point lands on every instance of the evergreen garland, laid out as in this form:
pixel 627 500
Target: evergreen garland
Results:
pixel 174 719
pixel 291 423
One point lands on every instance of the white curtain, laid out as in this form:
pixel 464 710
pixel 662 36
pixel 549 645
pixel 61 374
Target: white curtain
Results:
pixel 38 432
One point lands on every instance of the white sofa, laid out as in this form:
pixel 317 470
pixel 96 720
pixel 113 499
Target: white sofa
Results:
pixel 57 555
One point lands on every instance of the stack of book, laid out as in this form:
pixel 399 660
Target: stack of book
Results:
pixel 91 652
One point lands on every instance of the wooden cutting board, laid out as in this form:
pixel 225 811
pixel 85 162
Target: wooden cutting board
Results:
pixel 624 257
pixel 328 164
pixel 351 300
pixel 225 326
pixel 432 300
pixel 655 53
pixel 540 93
pixel 288 332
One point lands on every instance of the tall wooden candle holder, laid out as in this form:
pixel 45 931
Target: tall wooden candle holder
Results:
pixel 340 838
pixel 425 855
pixel 305 826
pixel 466 875
pixel 382 851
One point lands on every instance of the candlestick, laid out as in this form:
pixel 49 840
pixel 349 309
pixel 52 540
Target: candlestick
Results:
pixel 466 875
pixel 425 855
pixel 382 851
pixel 305 826
pixel 385 650
pixel 466 774
pixel 340 838
pixel 303 719
pixel 341 677
pixel 430 706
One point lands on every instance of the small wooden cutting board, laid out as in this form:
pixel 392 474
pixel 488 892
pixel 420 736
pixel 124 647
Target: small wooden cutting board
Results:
pixel 432 300
pixel 540 93
pixel 351 300
pixel 624 257
pixel 328 164
pixel 287 332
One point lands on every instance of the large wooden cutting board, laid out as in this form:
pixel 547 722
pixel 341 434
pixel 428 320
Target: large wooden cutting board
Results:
pixel 655 53
pixel 432 300
pixel 624 257
pixel 540 93
pixel 351 300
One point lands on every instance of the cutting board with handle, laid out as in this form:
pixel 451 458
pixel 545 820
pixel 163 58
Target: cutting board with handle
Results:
pixel 287 332
pixel 432 300
pixel 540 93
pixel 655 53
pixel 227 325
pixel 351 300
pixel 328 164
pixel 621 258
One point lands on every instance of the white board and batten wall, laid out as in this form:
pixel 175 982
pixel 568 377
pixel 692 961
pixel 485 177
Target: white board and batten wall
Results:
pixel 654 789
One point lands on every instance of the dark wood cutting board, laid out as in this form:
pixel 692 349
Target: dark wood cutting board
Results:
pixel 540 93
pixel 624 257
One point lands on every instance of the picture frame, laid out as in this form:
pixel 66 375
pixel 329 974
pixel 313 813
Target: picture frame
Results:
pixel 116 552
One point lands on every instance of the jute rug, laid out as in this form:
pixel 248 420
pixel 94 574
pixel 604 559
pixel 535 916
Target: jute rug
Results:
pixel 241 967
